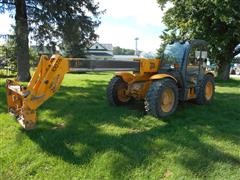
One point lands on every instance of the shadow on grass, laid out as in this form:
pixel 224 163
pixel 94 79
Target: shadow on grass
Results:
pixel 84 110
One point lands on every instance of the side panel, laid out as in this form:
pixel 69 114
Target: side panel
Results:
pixel 149 65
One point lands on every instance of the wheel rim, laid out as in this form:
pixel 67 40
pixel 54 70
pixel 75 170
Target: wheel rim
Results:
pixel 208 90
pixel 167 100
pixel 122 93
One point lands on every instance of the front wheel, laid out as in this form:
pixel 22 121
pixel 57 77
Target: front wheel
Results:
pixel 162 98
pixel 117 92
pixel 206 90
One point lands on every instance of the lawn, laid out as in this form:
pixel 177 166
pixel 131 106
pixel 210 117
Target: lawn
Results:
pixel 80 136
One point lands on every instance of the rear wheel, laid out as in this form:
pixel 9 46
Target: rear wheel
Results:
pixel 162 98
pixel 206 90
pixel 117 92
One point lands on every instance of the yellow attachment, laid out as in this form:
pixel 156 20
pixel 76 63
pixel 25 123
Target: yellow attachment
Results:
pixel 17 106
pixel 23 101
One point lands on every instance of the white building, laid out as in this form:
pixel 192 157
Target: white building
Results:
pixel 100 51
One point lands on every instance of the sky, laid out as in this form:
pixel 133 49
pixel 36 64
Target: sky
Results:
pixel 123 21
pixel 5 22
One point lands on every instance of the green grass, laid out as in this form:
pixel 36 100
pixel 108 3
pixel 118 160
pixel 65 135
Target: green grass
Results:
pixel 80 136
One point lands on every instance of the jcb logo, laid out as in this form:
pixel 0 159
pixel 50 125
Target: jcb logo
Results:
pixel 56 65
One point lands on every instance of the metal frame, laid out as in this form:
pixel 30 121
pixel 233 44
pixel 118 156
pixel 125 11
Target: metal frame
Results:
pixel 192 44
pixel 83 65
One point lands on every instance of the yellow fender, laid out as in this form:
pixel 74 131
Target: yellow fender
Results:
pixel 161 76
pixel 127 77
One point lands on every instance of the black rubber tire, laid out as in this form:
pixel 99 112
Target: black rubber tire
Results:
pixel 153 98
pixel 112 89
pixel 201 98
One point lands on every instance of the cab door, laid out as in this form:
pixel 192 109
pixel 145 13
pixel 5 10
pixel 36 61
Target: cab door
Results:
pixel 195 69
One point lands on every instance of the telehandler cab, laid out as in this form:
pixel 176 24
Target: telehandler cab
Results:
pixel 179 76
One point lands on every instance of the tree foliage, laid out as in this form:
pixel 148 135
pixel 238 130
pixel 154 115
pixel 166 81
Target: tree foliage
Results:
pixel 216 21
pixel 71 23
pixel 122 51
pixel 9 49
pixel 8 53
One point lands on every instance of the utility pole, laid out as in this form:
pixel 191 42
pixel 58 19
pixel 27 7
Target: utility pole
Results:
pixel 136 49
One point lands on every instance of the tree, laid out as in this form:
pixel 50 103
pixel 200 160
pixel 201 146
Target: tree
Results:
pixel 50 22
pixel 216 21
pixel 74 43
pixel 122 51
pixel 9 50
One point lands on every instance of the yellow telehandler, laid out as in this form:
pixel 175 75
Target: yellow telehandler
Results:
pixel 180 75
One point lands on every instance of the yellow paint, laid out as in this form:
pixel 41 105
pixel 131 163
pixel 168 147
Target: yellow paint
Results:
pixel 126 76
pixel 161 76
pixel 191 93
pixel 209 90
pixel 167 100
pixel 46 80
pixel 149 66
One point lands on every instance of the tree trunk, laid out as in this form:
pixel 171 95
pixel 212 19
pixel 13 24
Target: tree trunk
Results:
pixel 223 70
pixel 22 49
